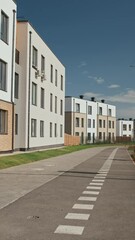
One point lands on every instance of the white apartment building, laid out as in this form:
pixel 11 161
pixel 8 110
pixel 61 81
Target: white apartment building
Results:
pixel 39 92
pixel 91 120
pixel 7 55
pixel 125 128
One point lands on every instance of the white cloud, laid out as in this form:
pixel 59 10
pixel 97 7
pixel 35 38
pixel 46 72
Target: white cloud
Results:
pixel 114 86
pixel 82 64
pixel 99 80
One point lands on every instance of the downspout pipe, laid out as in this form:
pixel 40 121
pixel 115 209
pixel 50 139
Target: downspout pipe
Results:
pixel 12 76
pixel 28 140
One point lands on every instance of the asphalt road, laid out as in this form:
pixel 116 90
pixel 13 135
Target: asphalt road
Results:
pixel 92 199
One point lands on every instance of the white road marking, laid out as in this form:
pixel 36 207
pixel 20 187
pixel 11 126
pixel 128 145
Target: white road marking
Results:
pixel 83 206
pixel 91 192
pixel 66 229
pixel 99 176
pixel 92 199
pixel 102 174
pixel 98 180
pixel 94 188
pixel 96 184
pixel 77 216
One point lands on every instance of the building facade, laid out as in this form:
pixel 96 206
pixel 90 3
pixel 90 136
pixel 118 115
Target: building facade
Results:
pixel 91 120
pixel 125 128
pixel 7 65
pixel 39 92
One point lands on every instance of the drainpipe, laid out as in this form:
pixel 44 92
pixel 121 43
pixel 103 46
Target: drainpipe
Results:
pixel 28 146
pixel 12 76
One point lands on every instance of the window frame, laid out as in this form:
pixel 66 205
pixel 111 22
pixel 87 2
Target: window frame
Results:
pixel 3 75
pixel 4 27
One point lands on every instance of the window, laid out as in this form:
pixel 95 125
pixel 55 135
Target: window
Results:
pixel 16 124
pixel 16 90
pixel 77 122
pixel 34 57
pixel 17 56
pixel 55 104
pixel 100 135
pixel 41 128
pixel 89 136
pixel 103 123
pixel 100 123
pixel 3 122
pixel 3 75
pixel 42 64
pixel 110 124
pixel 61 107
pixel 51 74
pixel 33 127
pixel 34 94
pixel 4 27
pixel 61 130
pixel 90 110
pixel 89 123
pixel 77 134
pixel 55 130
pixel 93 123
pixel 129 127
pixel 61 84
pixel 77 107
pixel 100 110
pixel 42 97
pixel 124 127
pixel 82 122
pixel 51 102
pixel 110 112
pixel 104 136
pixel 50 129
pixel 56 77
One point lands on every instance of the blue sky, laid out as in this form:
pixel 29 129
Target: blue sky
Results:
pixel 95 40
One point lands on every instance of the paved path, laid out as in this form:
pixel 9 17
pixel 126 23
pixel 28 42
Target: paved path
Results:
pixel 94 200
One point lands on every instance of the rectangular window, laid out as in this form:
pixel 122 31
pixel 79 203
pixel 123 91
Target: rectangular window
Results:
pixel 89 136
pixel 42 64
pixel 110 112
pixel 16 124
pixel 16 90
pixel 100 110
pixel 100 123
pixel 61 107
pixel 51 74
pixel 77 107
pixel 93 123
pixel 61 130
pixel 82 122
pixel 3 122
pixel 17 56
pixel 56 77
pixel 4 27
pixel 55 130
pixel 77 122
pixel 103 123
pixel 55 104
pixel 89 123
pixel 34 94
pixel 42 98
pixel 41 128
pixel 3 75
pixel 77 134
pixel 90 110
pixel 124 127
pixel 61 84
pixel 100 135
pixel 33 127
pixel 34 57
pixel 50 129
pixel 129 127
pixel 51 102
pixel 110 124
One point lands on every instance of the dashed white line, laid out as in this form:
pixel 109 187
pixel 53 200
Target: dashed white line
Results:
pixel 96 184
pixel 97 176
pixel 66 229
pixel 77 216
pixel 91 199
pixel 83 206
pixel 91 192
pixel 98 180
pixel 94 188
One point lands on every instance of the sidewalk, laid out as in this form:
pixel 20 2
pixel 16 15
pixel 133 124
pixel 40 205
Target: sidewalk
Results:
pixel 17 181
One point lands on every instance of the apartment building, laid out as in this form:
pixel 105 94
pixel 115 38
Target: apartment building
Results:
pixel 91 120
pixel 39 92
pixel 7 54
pixel 125 128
